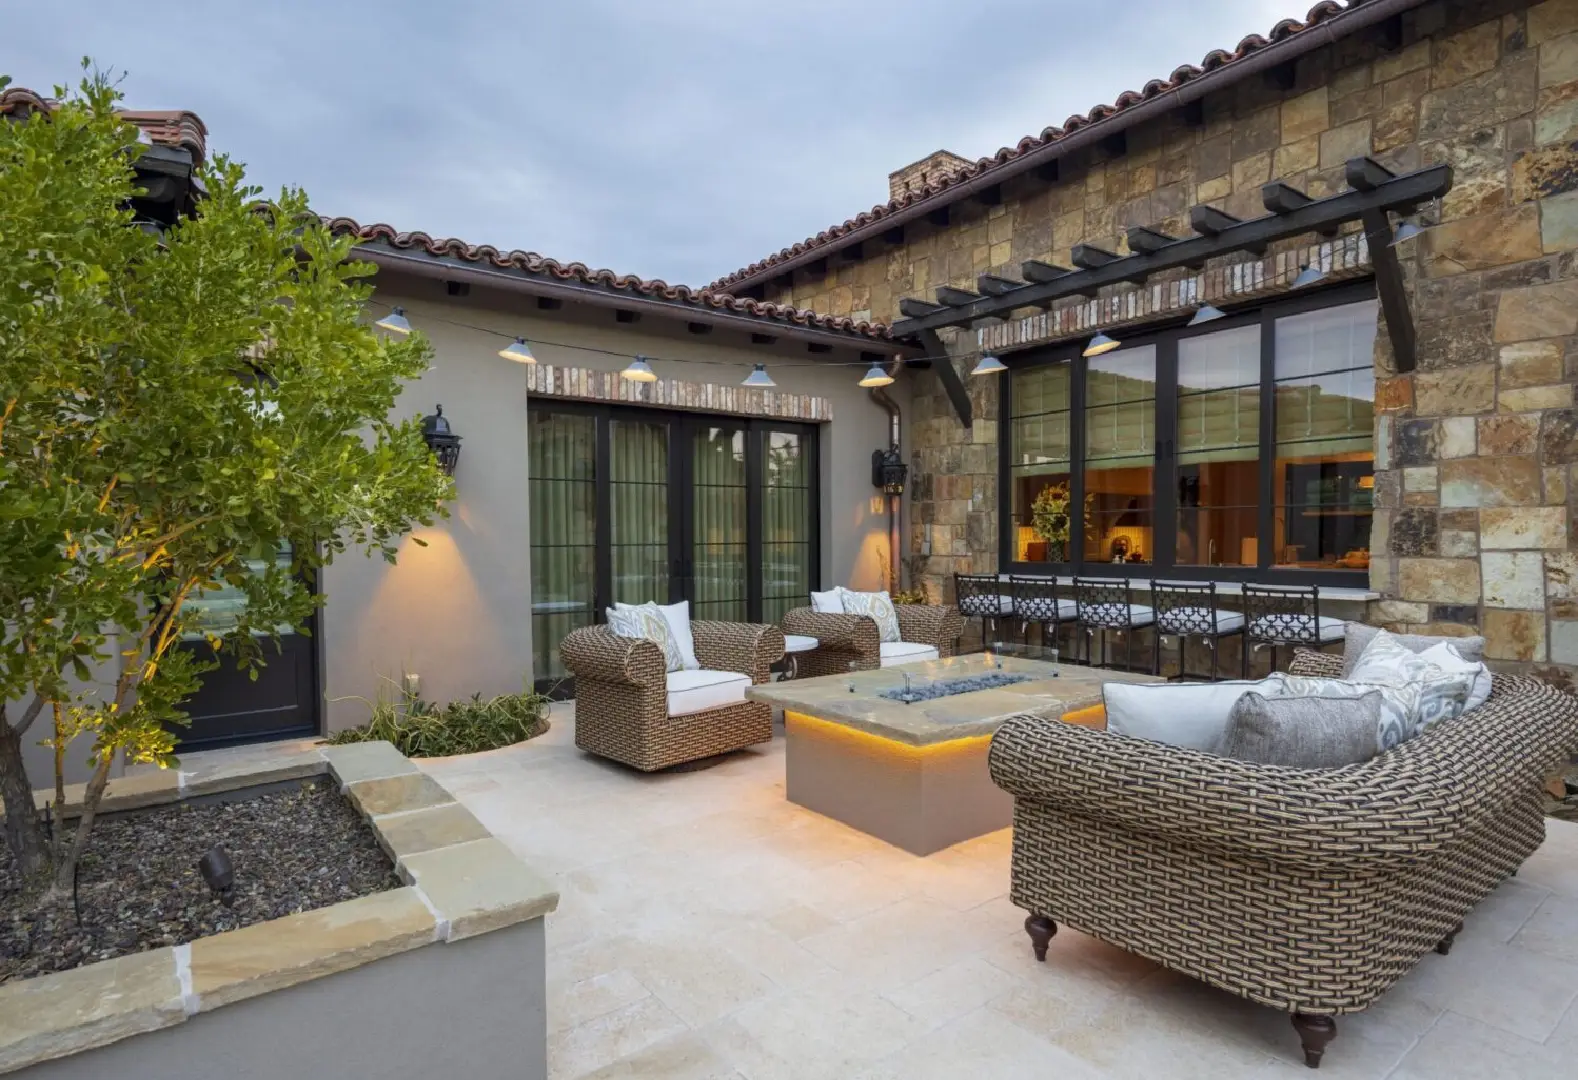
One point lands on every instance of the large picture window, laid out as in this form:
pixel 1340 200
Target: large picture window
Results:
pixel 1222 451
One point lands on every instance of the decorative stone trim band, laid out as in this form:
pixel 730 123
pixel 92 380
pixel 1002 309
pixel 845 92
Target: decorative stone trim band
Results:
pixel 588 384
pixel 1347 256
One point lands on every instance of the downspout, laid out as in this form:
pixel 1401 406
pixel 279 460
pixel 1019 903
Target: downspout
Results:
pixel 880 395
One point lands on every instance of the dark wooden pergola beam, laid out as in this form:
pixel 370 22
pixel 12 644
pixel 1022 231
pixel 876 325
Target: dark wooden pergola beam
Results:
pixel 993 285
pixel 952 385
pixel 911 308
pixel 1091 257
pixel 952 297
pixel 1037 271
pixel 1387 193
pixel 1141 238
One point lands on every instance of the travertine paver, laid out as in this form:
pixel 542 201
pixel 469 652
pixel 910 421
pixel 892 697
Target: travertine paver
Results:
pixel 75 1010
pixel 479 886
pixel 709 929
pixel 353 762
pixel 416 831
pixel 394 794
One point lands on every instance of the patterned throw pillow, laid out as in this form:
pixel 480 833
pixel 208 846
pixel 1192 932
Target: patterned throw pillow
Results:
pixel 646 621
pixel 879 607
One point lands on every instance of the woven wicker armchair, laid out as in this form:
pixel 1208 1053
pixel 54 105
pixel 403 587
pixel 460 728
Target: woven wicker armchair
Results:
pixel 622 694
pixel 851 642
pixel 1309 891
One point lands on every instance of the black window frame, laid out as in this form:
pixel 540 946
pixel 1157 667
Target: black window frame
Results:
pixel 1165 509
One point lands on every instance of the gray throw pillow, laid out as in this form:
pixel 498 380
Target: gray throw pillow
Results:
pixel 1303 732
pixel 1357 635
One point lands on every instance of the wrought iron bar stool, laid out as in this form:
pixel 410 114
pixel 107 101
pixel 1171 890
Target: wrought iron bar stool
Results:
pixel 1108 604
pixel 983 596
pixel 1188 610
pixel 1036 600
pixel 1285 615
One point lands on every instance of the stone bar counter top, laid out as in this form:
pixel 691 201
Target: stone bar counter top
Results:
pixel 461 882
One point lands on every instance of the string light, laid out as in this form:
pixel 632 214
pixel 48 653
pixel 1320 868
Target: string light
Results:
pixel 1101 343
pixel 989 365
pixel 639 371
pixel 759 378
pixel 876 376
pixel 1207 313
pixel 395 321
pixel 518 351
pixel 1308 275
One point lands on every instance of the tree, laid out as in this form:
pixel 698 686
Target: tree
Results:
pixel 175 408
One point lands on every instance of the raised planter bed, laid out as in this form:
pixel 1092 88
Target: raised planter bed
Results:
pixel 363 980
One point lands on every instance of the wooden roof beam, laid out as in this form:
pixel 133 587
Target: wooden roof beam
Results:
pixel 992 285
pixel 952 297
pixel 1145 240
pixel 1091 257
pixel 1035 270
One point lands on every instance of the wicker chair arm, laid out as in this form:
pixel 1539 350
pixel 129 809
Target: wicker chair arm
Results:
pixel 1399 807
pixel 1316 664
pixel 929 624
pixel 749 648
pixel 597 653
pixel 832 630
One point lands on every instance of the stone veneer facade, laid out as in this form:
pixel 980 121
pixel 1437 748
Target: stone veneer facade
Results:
pixel 1477 450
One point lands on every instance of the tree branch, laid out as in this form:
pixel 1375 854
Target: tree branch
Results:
pixel 30 714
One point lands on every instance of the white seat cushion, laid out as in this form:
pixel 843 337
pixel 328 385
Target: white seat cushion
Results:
pixel 693 691
pixel 906 652
pixel 799 643
pixel 1139 615
pixel 989 606
pixel 1330 629
pixel 1192 617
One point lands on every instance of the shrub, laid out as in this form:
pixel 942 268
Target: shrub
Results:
pixel 418 728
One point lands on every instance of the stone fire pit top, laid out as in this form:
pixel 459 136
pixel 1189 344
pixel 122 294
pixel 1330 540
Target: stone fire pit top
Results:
pixel 1051 690
pixel 461 881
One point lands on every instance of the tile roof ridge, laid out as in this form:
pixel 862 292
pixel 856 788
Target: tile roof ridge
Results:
pixel 178 128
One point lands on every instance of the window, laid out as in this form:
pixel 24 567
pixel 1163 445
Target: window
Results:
pixel 1218 469
pixel 1120 456
pixel 1325 463
pixel 1040 465
pixel 1221 451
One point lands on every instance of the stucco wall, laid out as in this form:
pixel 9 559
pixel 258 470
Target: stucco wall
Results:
pixel 457 612
pixel 473 1008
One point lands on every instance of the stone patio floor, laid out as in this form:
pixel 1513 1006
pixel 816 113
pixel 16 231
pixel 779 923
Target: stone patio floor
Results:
pixel 709 929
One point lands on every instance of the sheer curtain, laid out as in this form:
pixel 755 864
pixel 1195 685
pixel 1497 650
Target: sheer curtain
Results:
pixel 562 451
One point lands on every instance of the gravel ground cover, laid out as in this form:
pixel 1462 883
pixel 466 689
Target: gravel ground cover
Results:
pixel 140 888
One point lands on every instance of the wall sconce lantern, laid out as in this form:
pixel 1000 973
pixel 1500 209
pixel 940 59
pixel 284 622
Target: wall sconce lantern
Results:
pixel 444 443
pixel 888 471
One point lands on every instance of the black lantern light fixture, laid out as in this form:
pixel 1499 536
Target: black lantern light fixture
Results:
pixel 444 443
pixel 888 471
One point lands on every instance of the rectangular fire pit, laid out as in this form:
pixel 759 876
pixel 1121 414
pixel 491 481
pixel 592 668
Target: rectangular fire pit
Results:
pixel 914 773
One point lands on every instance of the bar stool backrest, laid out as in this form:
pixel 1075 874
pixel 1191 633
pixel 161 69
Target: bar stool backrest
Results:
pixel 1035 598
pixel 979 595
pixel 1282 614
pixel 1184 607
pixel 1104 602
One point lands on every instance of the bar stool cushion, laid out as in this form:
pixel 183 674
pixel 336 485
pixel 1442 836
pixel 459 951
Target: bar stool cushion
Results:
pixel 1267 629
pixel 1179 714
pixel 1044 609
pixel 1139 615
pixel 991 607
pixel 906 652
pixel 1189 617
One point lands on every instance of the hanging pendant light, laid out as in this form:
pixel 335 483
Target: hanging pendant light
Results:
pixel 989 365
pixel 639 371
pixel 395 322
pixel 1308 275
pixel 1406 231
pixel 1101 343
pixel 518 351
pixel 759 378
pixel 876 375
pixel 1207 313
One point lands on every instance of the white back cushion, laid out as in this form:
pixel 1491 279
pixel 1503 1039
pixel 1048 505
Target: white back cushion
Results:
pixel 828 603
pixel 1179 714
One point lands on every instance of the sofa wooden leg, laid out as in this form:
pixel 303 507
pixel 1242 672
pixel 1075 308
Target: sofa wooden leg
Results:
pixel 1315 1032
pixel 1041 930
pixel 1444 946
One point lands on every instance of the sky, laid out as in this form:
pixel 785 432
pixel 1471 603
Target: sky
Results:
pixel 676 140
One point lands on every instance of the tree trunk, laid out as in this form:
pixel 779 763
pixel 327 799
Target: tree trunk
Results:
pixel 22 833
pixel 66 868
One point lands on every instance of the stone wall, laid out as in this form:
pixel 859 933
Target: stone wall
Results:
pixel 1476 449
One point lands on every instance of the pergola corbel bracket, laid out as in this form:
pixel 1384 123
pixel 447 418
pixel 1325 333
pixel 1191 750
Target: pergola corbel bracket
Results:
pixel 1374 193
pixel 952 385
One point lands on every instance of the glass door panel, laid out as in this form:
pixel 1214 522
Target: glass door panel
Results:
pixel 638 511
pixel 1219 449
pixel 1120 456
pixel 562 450
pixel 786 524
pixel 719 589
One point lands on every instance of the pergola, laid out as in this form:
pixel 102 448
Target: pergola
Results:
pixel 1374 192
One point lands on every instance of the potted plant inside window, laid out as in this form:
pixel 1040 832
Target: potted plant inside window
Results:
pixel 1049 519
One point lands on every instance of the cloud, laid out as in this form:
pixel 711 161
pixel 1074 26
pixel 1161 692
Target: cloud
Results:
pixel 677 140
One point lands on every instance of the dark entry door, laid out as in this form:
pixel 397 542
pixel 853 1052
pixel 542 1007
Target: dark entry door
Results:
pixel 232 707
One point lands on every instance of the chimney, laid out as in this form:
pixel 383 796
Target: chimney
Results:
pixel 921 174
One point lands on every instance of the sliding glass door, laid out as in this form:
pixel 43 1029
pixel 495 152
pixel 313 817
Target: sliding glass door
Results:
pixel 632 505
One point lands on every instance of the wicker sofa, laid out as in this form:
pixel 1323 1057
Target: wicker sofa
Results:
pixel 623 694
pixel 851 642
pixel 1309 891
